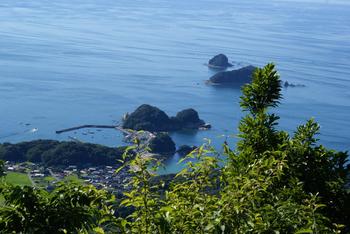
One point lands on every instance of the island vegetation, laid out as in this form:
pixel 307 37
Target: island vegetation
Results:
pixel 271 182
pixel 162 144
pixel 152 119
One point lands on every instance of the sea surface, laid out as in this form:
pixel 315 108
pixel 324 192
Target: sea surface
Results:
pixel 65 63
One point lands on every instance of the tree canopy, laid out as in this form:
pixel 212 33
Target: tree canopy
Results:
pixel 70 208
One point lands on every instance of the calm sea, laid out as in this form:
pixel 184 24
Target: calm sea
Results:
pixel 70 62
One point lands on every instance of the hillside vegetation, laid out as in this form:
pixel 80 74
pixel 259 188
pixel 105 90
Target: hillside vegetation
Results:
pixel 18 179
pixel 55 153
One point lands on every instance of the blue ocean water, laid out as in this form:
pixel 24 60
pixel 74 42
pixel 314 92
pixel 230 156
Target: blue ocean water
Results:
pixel 70 62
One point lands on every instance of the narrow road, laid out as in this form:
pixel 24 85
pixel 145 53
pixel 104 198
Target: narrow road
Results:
pixel 31 179
pixel 53 175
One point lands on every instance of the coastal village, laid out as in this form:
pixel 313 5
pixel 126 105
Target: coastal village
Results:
pixel 155 142
pixel 102 177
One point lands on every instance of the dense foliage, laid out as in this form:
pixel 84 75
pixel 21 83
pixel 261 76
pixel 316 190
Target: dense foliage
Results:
pixel 69 208
pixel 55 153
pixel 272 182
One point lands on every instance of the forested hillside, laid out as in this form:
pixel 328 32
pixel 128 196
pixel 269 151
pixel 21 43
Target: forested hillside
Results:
pixel 55 153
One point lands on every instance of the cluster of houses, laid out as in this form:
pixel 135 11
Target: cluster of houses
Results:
pixel 33 170
pixel 13 167
pixel 101 177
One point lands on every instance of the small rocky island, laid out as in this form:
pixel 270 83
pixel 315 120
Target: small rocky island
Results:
pixel 184 150
pixel 162 144
pixel 239 76
pixel 286 84
pixel 152 119
pixel 219 61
